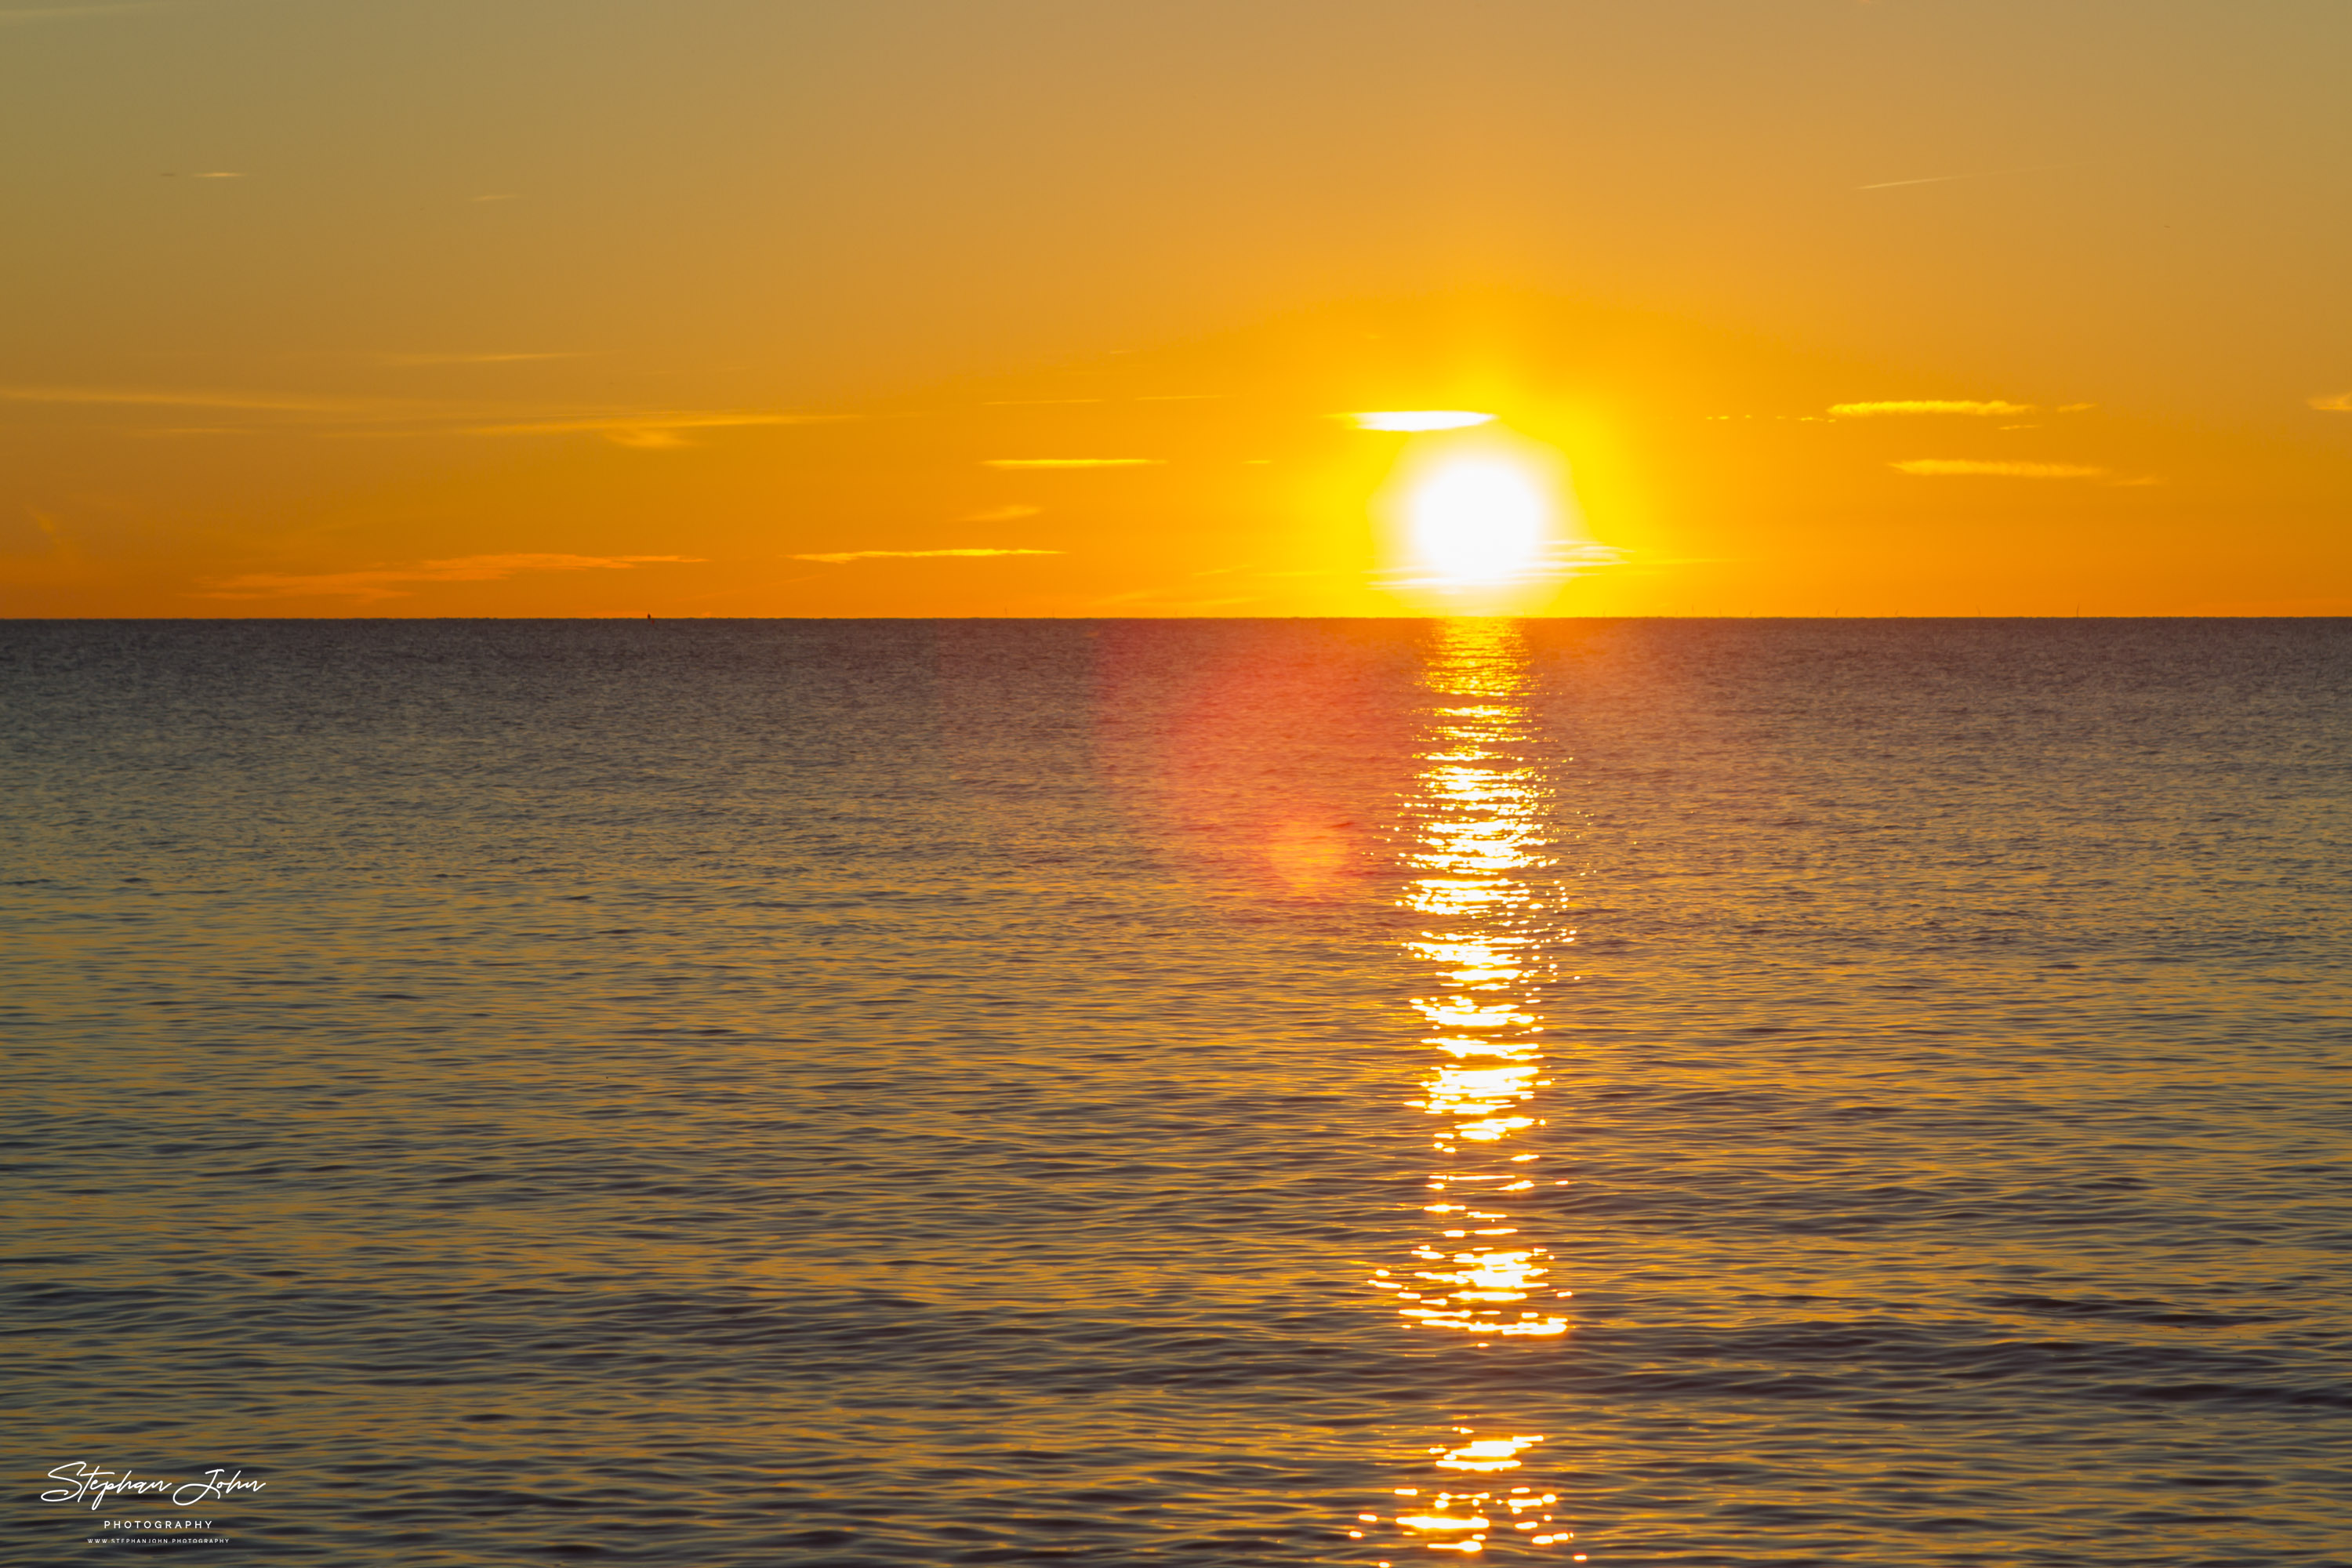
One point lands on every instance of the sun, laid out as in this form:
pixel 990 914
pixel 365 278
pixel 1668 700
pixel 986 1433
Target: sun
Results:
pixel 1478 521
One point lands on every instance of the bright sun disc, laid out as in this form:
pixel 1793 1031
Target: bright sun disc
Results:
pixel 1478 520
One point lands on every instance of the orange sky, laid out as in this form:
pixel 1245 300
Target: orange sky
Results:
pixel 747 308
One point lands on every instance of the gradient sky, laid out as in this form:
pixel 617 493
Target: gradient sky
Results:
pixel 774 307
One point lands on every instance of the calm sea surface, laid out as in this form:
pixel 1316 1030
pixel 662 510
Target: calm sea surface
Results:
pixel 1222 1093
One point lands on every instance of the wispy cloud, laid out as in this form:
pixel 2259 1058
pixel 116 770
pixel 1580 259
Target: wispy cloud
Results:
pixel 197 397
pixel 1072 462
pixel 1979 175
pixel 395 581
pixel 651 430
pixel 1930 180
pixel 2334 403
pixel 1003 513
pixel 643 428
pixel 9 16
pixel 1989 408
pixel 1559 563
pixel 657 427
pixel 405 361
pixel 1410 419
pixel 838 556
pixel 1998 469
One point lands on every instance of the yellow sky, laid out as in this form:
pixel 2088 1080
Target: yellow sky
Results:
pixel 874 307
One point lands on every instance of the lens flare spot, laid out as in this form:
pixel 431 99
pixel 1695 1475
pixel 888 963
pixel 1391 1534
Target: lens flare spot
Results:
pixel 1310 857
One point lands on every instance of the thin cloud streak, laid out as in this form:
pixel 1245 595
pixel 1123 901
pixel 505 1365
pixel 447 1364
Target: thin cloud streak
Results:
pixel 405 361
pixel 1946 467
pixel 1980 174
pixel 404 417
pixel 1417 419
pixel 165 397
pixel 652 430
pixel 2334 403
pixel 1560 562
pixel 838 556
pixel 1072 462
pixel 1987 409
pixel 67 13
pixel 382 583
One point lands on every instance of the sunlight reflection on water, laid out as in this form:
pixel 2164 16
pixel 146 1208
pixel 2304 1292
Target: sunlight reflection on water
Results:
pixel 1476 817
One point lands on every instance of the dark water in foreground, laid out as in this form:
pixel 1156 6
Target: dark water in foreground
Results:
pixel 911 1093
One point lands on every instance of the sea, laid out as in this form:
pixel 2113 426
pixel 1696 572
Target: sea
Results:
pixel 1359 1093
